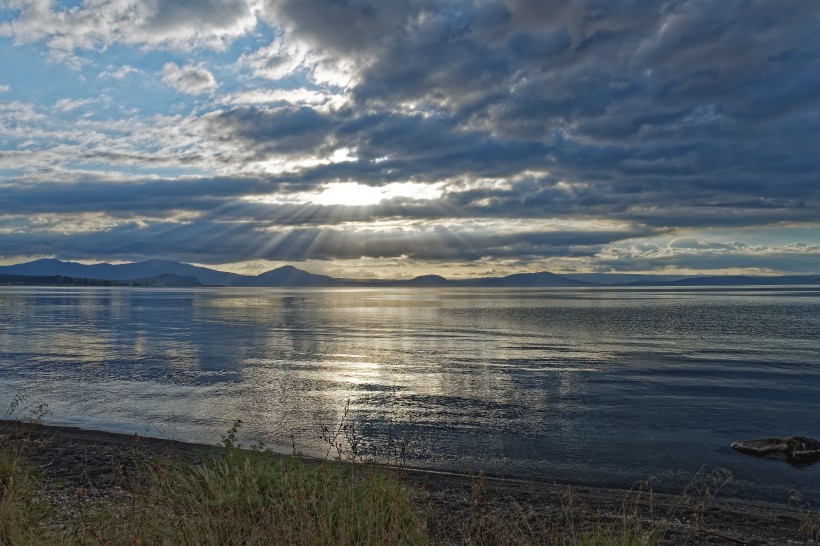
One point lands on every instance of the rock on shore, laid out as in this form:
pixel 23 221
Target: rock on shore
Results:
pixel 795 449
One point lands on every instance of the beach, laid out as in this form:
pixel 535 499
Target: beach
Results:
pixel 75 464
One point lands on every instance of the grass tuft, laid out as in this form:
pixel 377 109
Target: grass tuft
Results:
pixel 236 497
pixel 20 511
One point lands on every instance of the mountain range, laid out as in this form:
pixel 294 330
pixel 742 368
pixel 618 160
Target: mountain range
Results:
pixel 165 280
pixel 170 273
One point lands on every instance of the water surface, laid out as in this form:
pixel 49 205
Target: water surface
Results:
pixel 595 386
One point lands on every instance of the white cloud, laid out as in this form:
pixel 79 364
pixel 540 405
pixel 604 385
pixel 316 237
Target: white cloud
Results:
pixel 4 88
pixel 276 61
pixel 118 73
pixel 300 96
pixel 355 194
pixel 148 23
pixel 692 244
pixel 286 56
pixel 190 79
pixel 67 105
pixel 691 255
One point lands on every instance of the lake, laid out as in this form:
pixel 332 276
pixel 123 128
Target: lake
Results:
pixel 589 386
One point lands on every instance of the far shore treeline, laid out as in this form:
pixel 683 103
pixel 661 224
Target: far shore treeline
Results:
pixel 62 280
pixel 165 273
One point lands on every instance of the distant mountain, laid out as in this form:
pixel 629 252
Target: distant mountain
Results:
pixel 168 273
pixel 521 280
pixel 288 276
pixel 50 280
pixel 283 276
pixel 154 269
pixel 424 281
pixel 735 280
pixel 47 268
pixel 166 280
pixel 621 278
pixel 122 272
pixel 528 280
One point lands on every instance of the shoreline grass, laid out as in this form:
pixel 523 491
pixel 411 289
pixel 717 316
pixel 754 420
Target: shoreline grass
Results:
pixel 234 496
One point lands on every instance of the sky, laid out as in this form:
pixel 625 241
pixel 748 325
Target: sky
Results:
pixel 365 138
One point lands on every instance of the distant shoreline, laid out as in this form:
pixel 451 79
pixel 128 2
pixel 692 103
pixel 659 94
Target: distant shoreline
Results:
pixel 176 274
pixel 97 284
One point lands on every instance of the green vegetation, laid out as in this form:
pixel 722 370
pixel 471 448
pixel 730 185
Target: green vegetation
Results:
pixel 253 497
pixel 236 497
pixel 18 509
pixel 636 522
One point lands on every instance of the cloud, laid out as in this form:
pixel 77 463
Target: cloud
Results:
pixel 277 60
pixel 118 73
pixel 190 79
pixel 5 88
pixel 795 258
pixel 161 23
pixel 696 244
pixel 298 97
pixel 67 105
pixel 203 239
pixel 660 117
pixel 284 129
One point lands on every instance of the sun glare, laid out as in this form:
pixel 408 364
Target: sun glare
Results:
pixel 353 194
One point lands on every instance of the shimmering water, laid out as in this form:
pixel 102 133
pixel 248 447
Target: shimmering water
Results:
pixel 595 386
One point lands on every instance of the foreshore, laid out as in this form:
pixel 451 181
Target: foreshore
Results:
pixel 99 463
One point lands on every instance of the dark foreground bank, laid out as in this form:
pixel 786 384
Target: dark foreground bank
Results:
pixel 80 472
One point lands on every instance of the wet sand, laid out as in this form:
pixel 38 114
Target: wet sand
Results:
pixel 103 465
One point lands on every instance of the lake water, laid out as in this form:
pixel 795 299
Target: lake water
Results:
pixel 589 386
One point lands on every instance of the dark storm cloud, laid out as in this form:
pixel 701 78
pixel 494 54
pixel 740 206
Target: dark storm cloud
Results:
pixel 170 15
pixel 683 114
pixel 707 108
pixel 341 25
pixel 200 241
pixel 283 130
pixel 392 146
pixel 148 197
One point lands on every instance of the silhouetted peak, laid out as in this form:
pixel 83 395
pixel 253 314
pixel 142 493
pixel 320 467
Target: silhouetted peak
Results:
pixel 284 270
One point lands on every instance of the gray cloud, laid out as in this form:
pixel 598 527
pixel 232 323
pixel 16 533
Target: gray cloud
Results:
pixel 707 255
pixel 281 130
pixel 190 79
pixel 175 23
pixel 201 241
pixel 667 117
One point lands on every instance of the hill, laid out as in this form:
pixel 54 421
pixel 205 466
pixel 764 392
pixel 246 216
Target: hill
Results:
pixel 288 276
pixel 165 280
pixel 153 271
pixel 529 280
pixel 121 272
pixel 735 280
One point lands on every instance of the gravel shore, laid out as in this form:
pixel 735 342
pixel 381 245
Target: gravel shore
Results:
pixel 102 465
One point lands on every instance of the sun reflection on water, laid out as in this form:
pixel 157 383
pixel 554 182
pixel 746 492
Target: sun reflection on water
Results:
pixel 525 382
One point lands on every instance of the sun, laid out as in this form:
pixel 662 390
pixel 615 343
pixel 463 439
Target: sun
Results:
pixel 353 194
